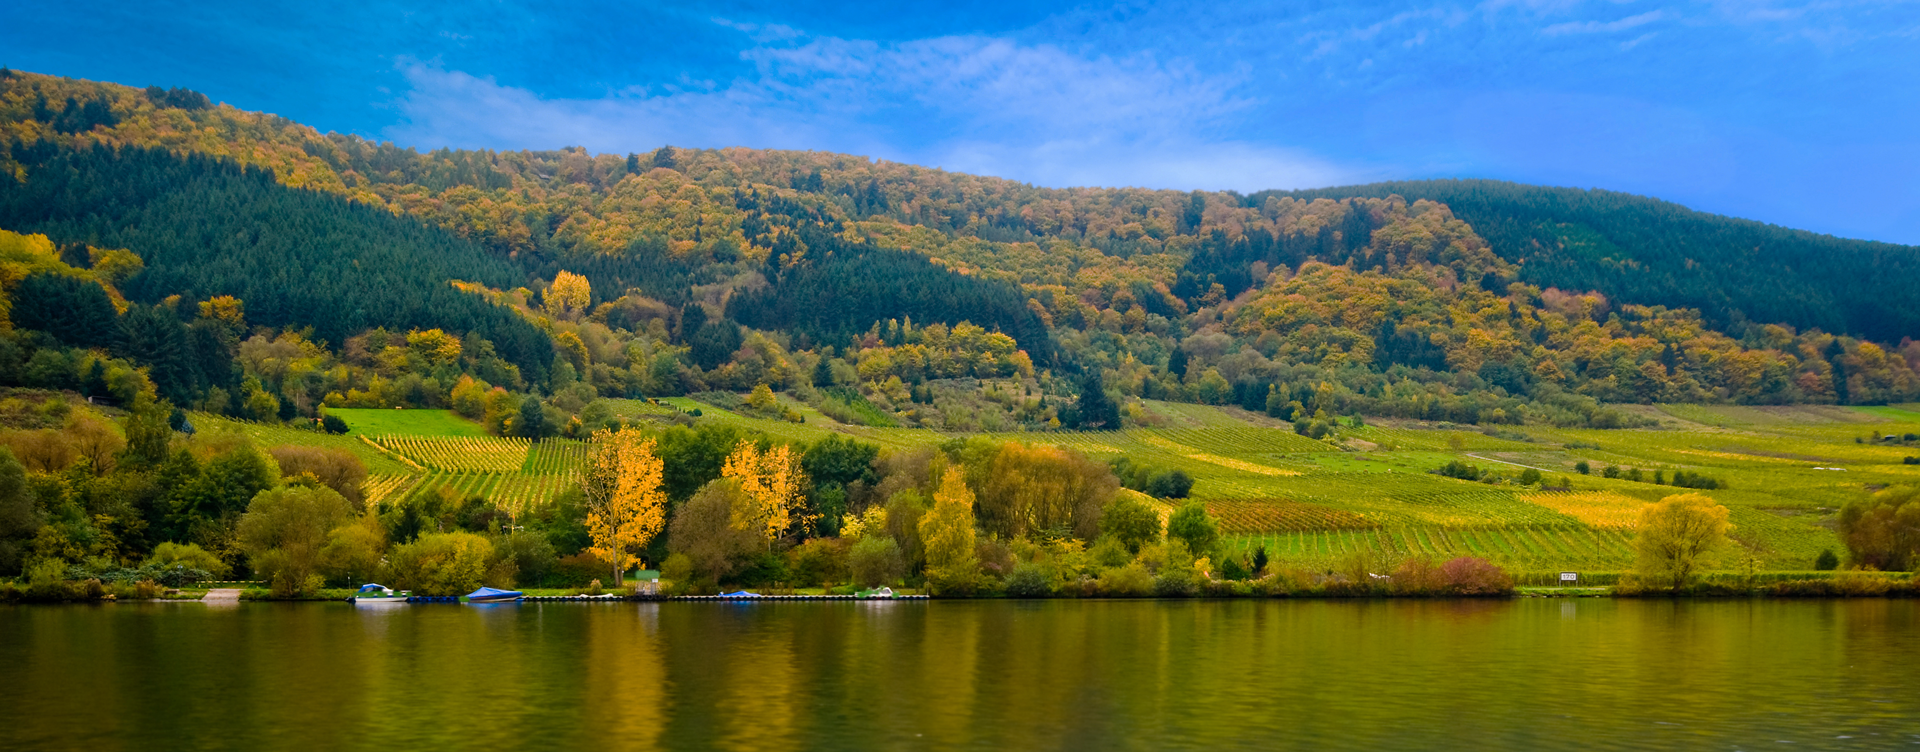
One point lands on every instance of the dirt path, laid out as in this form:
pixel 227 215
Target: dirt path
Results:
pixel 225 595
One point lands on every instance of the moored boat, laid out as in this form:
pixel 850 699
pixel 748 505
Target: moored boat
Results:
pixel 875 594
pixel 492 595
pixel 375 594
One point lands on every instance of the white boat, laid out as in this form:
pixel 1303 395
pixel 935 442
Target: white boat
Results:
pixel 372 594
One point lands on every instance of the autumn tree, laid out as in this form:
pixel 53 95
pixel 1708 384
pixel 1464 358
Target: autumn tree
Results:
pixel 947 532
pixel 570 293
pixel 1041 490
pixel 773 483
pixel 1882 531
pixel 1675 533
pixel 626 506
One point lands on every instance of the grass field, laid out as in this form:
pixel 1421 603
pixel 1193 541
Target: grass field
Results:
pixel 372 422
pixel 1312 502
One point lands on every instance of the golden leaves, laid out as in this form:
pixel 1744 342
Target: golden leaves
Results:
pixel 772 481
pixel 625 500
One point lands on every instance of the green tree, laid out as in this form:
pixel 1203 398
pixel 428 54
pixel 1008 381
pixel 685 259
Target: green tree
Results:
pixel 284 531
pixel 20 517
pixel 1192 524
pixel 149 431
pixel 1131 522
pixel 1675 533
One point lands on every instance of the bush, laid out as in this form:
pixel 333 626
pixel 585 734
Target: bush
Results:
pixel 1175 583
pixel 1131 580
pixel 1827 561
pixel 442 563
pixel 578 569
pixel 1029 580
pixel 1232 569
pixel 333 424
pixel 1472 575
pixel 188 556
pixel 1461 470
pixel 820 562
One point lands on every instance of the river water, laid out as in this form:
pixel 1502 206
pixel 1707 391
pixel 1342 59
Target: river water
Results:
pixel 985 675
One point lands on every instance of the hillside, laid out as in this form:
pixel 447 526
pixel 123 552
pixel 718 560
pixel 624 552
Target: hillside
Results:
pixel 909 295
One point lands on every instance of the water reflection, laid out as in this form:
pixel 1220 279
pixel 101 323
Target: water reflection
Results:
pixel 1589 674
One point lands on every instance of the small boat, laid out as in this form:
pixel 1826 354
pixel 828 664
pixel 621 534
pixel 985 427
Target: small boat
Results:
pixel 875 594
pixel 491 595
pixel 740 594
pixel 372 594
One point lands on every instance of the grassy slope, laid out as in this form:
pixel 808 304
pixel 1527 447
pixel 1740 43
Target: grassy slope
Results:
pixel 1312 502
pixel 372 422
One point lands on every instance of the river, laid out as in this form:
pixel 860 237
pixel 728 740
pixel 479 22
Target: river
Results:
pixel 982 675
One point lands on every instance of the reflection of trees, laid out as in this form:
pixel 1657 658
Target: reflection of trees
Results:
pixel 625 691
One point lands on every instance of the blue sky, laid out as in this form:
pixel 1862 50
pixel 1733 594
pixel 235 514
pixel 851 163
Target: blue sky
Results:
pixel 1805 114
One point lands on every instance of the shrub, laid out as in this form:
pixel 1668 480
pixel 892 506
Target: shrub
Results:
pixel 1029 580
pixel 1827 561
pixel 1131 580
pixel 442 563
pixel 820 561
pixel 577 570
pixel 1418 576
pixel 1461 470
pixel 333 424
pixel 1232 569
pixel 1175 583
pixel 188 556
pixel 1472 575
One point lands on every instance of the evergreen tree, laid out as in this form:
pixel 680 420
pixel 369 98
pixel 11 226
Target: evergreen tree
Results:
pixel 1095 410
pixel 823 369
pixel 532 423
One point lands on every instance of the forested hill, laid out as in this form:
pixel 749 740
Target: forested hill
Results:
pixel 1652 252
pixel 880 291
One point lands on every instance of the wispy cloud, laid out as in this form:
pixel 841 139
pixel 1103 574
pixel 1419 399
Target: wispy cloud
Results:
pixel 1604 27
pixel 984 104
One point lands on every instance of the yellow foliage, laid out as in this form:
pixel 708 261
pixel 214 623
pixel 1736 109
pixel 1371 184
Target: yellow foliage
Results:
pixel 625 501
pixel 772 481
pixel 569 293
pixel 436 346
pixel 224 308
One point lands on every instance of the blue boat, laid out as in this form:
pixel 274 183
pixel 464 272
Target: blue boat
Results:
pixel 491 595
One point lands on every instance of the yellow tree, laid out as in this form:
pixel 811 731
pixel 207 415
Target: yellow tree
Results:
pixel 569 292
pixel 947 532
pixel 1675 533
pixel 626 506
pixel 772 481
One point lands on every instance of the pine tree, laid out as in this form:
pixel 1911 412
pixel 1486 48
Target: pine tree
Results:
pixel 532 423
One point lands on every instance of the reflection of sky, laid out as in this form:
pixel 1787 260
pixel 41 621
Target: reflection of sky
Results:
pixel 1792 112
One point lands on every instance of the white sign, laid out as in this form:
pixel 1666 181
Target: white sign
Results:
pixel 1569 576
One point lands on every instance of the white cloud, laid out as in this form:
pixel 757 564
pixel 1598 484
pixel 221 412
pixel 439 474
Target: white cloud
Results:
pixel 977 104
pixel 1604 27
